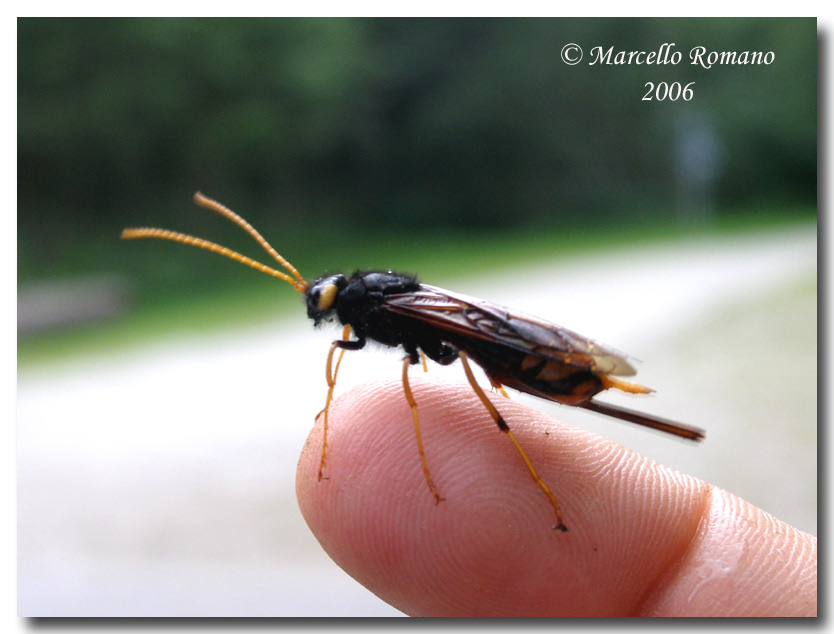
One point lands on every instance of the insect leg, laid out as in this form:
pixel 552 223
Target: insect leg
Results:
pixel 409 396
pixel 500 388
pixel 502 425
pixel 331 384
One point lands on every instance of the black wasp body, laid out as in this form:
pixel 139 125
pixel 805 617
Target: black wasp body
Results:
pixel 366 303
pixel 514 349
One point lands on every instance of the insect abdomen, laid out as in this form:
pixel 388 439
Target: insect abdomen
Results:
pixel 533 374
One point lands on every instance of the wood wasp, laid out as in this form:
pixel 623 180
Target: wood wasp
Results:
pixel 513 349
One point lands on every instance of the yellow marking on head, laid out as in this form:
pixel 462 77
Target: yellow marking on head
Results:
pixel 327 297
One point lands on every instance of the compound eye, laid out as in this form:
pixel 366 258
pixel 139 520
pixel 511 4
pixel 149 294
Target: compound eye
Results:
pixel 327 297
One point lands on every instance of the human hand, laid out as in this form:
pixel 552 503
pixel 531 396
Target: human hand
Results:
pixel 643 539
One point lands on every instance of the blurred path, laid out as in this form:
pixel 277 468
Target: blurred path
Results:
pixel 163 483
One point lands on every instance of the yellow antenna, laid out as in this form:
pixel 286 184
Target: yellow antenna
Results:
pixel 298 282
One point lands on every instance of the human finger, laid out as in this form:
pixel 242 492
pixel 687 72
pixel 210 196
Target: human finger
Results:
pixel 643 539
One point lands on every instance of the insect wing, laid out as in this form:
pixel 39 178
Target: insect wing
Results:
pixel 484 320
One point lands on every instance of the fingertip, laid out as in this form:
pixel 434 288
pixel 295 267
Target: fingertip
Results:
pixel 490 548
pixel 741 562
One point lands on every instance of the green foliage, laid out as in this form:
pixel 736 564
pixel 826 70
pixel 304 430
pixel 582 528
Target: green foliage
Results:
pixel 228 296
pixel 323 126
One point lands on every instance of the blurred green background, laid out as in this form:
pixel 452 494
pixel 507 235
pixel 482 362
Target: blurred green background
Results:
pixel 430 145
pixel 161 482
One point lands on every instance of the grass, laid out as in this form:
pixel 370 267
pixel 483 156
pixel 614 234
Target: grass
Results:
pixel 222 295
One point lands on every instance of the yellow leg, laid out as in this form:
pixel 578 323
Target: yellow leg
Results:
pixel 331 384
pixel 409 396
pixel 500 388
pixel 502 425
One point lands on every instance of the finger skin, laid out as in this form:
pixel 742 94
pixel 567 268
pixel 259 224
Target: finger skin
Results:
pixel 643 539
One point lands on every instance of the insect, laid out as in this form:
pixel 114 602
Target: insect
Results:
pixel 514 350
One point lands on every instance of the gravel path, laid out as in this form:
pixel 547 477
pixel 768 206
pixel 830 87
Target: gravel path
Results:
pixel 162 483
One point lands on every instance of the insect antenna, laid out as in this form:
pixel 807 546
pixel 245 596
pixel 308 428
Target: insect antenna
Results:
pixel 297 282
pixel 208 203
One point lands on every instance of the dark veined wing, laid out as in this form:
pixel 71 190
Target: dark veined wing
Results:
pixel 490 322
